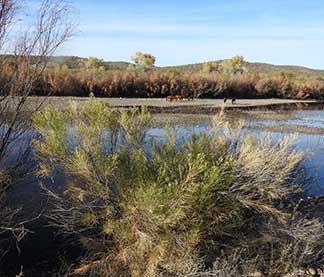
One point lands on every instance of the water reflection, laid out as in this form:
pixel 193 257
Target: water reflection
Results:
pixel 311 144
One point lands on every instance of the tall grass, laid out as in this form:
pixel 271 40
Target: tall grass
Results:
pixel 163 83
pixel 62 81
pixel 149 208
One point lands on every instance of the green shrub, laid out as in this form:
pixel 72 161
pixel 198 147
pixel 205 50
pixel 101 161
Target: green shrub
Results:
pixel 152 208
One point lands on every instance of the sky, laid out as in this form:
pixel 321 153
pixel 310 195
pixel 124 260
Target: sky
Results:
pixel 191 31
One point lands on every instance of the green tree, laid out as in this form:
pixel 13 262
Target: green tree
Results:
pixel 235 65
pixel 289 76
pixel 95 63
pixel 142 61
pixel 209 67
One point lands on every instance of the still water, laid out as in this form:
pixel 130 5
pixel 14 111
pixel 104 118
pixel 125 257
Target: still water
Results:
pixel 306 129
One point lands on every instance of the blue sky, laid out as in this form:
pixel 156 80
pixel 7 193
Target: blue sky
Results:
pixel 180 32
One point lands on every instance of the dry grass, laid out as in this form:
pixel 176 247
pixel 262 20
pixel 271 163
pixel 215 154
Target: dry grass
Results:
pixel 158 83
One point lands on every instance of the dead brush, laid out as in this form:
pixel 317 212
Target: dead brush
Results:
pixel 162 83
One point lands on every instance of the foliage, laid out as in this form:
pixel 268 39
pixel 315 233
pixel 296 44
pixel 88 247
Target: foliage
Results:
pixel 95 63
pixel 143 61
pixel 158 83
pixel 143 207
pixel 40 34
pixel 234 65
pixel 77 63
pixel 214 80
pixel 209 67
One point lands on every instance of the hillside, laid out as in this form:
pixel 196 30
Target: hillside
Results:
pixel 261 68
pixel 74 62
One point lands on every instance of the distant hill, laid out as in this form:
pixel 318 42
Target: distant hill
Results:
pixel 261 68
pixel 75 62
pixel 299 71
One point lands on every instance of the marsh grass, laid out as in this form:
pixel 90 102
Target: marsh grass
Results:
pixel 211 206
pixel 162 83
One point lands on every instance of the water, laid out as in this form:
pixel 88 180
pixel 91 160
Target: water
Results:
pixel 310 119
pixel 308 124
pixel 311 142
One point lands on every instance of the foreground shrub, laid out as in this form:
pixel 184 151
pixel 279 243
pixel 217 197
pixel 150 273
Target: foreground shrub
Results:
pixel 144 207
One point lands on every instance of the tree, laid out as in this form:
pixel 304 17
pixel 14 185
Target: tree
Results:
pixel 143 61
pixel 209 67
pixel 23 64
pixel 234 65
pixel 288 76
pixel 95 63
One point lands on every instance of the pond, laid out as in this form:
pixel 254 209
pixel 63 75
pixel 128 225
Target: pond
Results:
pixel 306 129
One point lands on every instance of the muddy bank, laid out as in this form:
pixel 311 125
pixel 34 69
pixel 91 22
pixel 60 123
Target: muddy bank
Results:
pixel 159 105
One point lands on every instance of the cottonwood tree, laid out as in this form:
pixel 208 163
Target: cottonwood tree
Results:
pixel 95 63
pixel 142 61
pixel 24 57
pixel 235 65
pixel 209 67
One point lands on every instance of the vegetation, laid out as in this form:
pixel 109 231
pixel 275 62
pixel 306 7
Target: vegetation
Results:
pixel 212 206
pixel 234 65
pixel 258 68
pixel 77 63
pixel 142 62
pixel 209 67
pixel 19 74
pixel 95 63
pixel 31 37
pixel 230 78
pixel 224 203
pixel 157 83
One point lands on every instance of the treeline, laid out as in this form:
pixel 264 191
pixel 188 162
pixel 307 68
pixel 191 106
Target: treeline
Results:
pixel 157 83
pixel 142 79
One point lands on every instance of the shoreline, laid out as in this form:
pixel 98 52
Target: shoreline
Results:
pixel 197 106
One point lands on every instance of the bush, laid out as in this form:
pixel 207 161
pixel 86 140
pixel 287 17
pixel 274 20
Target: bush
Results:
pixel 150 208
